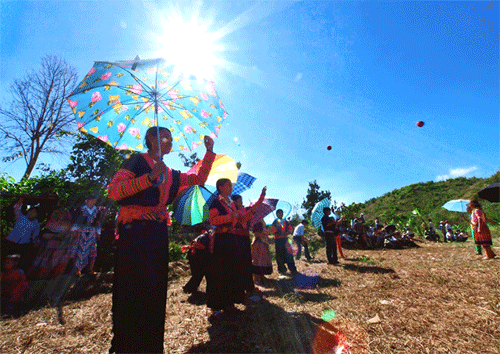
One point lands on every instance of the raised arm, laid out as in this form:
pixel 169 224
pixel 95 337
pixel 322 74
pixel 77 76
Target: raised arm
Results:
pixel 189 179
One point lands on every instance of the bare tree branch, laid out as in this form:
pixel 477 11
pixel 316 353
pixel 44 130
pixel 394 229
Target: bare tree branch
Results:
pixel 38 112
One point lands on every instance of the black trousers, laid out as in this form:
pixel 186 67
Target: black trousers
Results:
pixel 331 248
pixel 198 262
pixel 140 288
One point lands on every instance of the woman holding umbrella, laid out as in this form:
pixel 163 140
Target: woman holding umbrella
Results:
pixel 143 187
pixel 482 235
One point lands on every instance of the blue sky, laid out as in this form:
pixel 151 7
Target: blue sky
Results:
pixel 296 77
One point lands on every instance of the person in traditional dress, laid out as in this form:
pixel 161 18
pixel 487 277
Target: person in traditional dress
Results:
pixel 227 275
pixel 52 257
pixel 246 244
pixel 85 233
pixel 261 256
pixel 482 235
pixel 13 284
pixel 281 228
pixel 144 186
pixel 330 226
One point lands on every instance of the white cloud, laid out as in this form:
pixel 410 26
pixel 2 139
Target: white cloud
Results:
pixel 456 172
pixel 298 77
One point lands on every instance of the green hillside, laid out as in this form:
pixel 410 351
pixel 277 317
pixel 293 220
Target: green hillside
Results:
pixel 397 206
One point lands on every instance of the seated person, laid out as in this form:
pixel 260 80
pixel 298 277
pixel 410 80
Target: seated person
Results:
pixel 449 236
pixel 14 285
pixel 462 236
pixel 394 240
pixel 408 234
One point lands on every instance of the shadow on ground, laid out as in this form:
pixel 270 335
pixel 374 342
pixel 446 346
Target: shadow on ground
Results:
pixel 260 328
pixel 368 269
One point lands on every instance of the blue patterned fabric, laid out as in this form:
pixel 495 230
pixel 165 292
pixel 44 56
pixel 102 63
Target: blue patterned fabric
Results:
pixel 243 183
pixel 118 101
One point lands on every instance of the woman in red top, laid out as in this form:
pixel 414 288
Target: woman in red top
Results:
pixel 482 235
pixel 144 186
pixel 226 277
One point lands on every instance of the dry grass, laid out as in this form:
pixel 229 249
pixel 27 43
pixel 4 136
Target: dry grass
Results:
pixel 439 298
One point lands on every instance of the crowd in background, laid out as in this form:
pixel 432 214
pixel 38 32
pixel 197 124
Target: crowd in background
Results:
pixel 67 243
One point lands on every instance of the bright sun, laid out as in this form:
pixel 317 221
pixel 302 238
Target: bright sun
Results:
pixel 188 45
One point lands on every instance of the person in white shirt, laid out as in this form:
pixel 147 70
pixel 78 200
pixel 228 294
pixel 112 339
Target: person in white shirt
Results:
pixel 299 239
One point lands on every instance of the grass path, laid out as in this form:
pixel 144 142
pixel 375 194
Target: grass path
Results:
pixel 439 298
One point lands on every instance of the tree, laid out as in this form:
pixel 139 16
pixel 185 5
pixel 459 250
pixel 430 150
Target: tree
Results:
pixel 94 162
pixel 314 195
pixel 39 114
pixel 189 161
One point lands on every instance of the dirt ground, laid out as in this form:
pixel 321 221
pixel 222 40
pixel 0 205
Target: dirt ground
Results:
pixel 438 298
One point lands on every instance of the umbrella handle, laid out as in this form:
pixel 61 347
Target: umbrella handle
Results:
pixel 159 182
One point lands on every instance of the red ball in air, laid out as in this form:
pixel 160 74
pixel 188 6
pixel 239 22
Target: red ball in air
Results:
pixel 328 147
pixel 420 124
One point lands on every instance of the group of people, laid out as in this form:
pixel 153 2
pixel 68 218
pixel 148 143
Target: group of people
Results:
pixel 66 243
pixel 143 187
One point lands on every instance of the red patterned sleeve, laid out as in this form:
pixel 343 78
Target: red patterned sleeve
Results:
pixel 201 177
pixel 125 184
pixel 217 219
pixel 248 214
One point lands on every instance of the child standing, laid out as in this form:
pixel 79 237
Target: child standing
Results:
pixel 14 284
pixel 261 257
pixel 85 233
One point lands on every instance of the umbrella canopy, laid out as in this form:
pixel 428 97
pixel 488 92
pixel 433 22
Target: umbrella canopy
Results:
pixel 191 207
pixel 490 193
pixel 243 183
pixel 118 101
pixel 459 205
pixel 317 212
pixel 266 208
pixel 223 167
pixel 283 205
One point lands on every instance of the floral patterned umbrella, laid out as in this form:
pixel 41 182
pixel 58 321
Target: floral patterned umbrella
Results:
pixel 118 101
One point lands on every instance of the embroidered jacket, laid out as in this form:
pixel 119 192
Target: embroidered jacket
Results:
pixel 281 228
pixel 140 199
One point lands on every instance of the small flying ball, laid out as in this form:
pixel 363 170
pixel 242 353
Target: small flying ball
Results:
pixel 420 124
pixel 329 147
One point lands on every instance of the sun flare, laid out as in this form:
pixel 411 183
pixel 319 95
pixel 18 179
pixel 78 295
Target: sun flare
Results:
pixel 188 45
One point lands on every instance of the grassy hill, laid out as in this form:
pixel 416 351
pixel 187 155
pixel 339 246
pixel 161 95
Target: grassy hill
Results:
pixel 398 206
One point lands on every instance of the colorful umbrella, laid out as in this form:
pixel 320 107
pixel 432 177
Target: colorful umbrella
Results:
pixel 243 183
pixel 267 207
pixel 223 167
pixel 317 212
pixel 283 205
pixel 118 101
pixel 191 207
pixel 490 193
pixel 459 205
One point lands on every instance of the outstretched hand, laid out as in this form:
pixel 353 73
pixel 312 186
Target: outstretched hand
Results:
pixel 209 143
pixel 264 191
